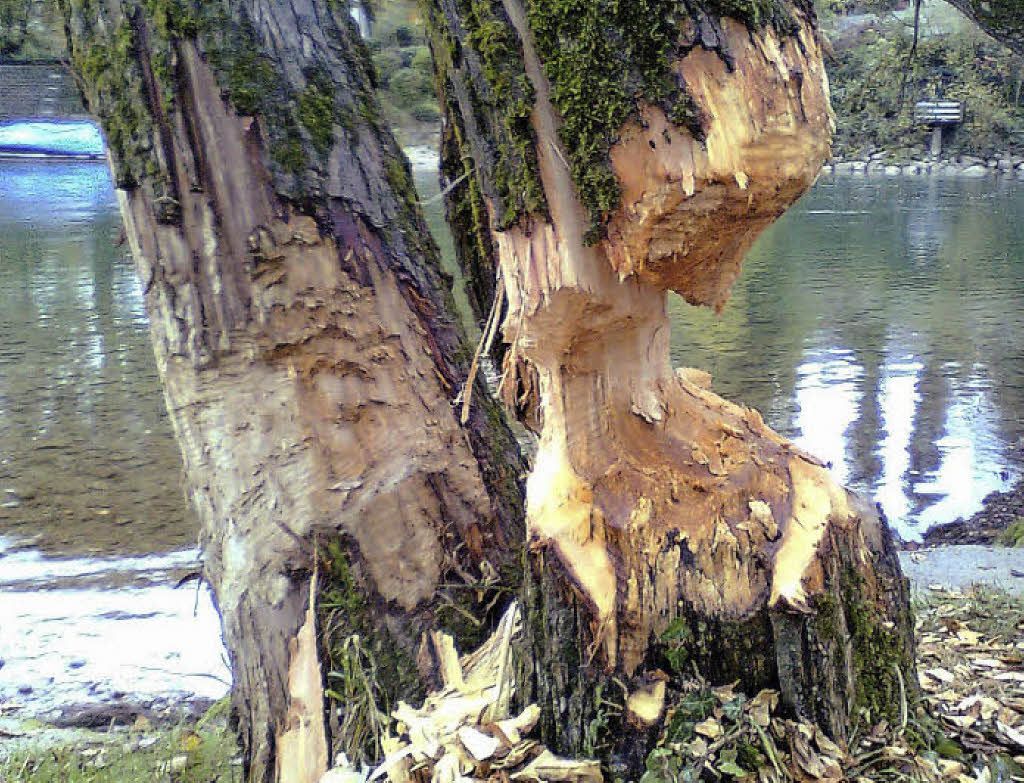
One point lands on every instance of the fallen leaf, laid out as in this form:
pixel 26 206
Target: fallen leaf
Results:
pixel 549 768
pixel 709 728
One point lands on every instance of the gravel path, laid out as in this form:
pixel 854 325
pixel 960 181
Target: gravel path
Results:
pixel 957 567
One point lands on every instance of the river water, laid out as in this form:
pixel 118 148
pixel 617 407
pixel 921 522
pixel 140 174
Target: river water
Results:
pixel 880 323
pixel 94 530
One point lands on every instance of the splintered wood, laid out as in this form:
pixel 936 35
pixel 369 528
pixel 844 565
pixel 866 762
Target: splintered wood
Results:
pixel 465 731
pixel 651 491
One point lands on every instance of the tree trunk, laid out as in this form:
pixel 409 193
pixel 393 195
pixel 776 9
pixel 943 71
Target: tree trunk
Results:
pixel 310 354
pixel 611 152
pixel 605 154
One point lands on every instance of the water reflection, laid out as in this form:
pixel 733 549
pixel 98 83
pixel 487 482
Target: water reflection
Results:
pixel 898 400
pixel 88 464
pixel 40 195
pixel 829 381
pixel 880 324
pixel 87 459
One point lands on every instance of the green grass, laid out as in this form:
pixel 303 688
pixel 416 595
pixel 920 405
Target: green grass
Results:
pixel 202 753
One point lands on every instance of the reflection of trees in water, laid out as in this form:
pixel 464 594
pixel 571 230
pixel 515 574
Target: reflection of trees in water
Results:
pixel 929 427
pixel 84 423
pixel 892 271
pixel 927 228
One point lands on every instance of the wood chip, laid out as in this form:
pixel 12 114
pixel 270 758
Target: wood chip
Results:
pixel 479 745
pixel 549 768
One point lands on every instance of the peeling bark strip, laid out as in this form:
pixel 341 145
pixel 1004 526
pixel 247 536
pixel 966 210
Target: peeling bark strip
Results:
pixel 670 528
pixel 309 351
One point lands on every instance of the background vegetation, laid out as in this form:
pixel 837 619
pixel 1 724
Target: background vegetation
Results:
pixel 877 76
pixel 29 30
pixel 404 69
pixel 875 80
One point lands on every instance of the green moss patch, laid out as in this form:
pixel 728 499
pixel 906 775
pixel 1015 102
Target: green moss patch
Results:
pixel 602 58
pixel 366 670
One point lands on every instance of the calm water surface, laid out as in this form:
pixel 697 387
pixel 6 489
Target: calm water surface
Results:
pixel 89 471
pixel 880 324
pixel 87 459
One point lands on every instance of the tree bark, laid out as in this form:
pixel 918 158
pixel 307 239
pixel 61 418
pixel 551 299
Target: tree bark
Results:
pixel 607 153
pixel 310 355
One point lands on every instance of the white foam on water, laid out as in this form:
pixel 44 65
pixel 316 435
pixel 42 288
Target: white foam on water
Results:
pixel 30 567
pixel 48 137
pixel 71 647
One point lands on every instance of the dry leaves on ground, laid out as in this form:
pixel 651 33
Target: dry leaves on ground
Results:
pixel 970 653
pixel 971 670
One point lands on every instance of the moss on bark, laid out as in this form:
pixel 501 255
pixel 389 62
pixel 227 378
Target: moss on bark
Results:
pixel 603 60
pixel 496 93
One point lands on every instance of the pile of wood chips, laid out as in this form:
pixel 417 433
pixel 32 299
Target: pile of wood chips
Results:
pixel 465 731
pixel 970 654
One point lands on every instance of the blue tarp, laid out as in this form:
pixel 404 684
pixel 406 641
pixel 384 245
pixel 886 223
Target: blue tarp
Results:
pixel 77 139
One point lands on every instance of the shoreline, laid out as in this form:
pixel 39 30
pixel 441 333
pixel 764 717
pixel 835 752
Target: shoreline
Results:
pixel 1005 166
pixel 996 523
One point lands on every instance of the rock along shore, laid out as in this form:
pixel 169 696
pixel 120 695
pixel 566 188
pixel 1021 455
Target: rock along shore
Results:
pixel 883 164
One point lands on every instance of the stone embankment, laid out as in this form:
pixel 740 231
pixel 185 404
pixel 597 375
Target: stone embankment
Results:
pixel 882 164
pixel 35 91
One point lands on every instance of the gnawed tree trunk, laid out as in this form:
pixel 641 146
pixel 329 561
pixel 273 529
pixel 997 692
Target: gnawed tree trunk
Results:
pixel 310 354
pixel 607 153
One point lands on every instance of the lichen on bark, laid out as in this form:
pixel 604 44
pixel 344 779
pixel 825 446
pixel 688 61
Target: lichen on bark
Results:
pixel 104 51
pixel 494 91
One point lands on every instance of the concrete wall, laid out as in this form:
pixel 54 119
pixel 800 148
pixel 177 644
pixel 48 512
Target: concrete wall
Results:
pixel 38 92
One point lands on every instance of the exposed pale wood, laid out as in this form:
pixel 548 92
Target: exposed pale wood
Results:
pixel 652 501
pixel 302 744
pixel 629 454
